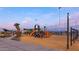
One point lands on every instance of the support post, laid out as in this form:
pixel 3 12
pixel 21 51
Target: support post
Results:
pixel 71 36
pixel 67 30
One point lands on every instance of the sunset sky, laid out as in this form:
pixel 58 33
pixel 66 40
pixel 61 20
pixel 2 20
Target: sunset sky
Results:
pixel 44 16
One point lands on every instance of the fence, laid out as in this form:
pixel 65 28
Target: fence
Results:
pixel 73 35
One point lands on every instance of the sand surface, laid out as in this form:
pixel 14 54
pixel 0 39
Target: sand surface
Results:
pixel 53 42
pixel 58 42
pixel 28 43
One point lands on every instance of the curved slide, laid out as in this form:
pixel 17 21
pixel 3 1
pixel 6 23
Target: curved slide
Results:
pixel 32 32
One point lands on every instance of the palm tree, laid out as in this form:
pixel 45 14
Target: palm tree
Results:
pixel 17 26
pixel 18 33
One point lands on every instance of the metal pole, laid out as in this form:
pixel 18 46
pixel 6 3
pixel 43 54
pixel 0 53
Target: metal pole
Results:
pixel 44 28
pixel 59 18
pixel 71 36
pixel 67 30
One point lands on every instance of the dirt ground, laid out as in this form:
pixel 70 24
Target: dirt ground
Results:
pixel 28 43
pixel 53 42
pixel 58 42
pixel 6 44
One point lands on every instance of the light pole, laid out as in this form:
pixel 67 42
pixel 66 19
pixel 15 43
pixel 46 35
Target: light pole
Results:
pixel 67 30
pixel 59 19
pixel 36 21
pixel 59 15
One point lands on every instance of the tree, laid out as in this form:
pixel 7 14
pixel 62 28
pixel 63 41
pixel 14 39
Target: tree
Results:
pixel 17 26
pixel 18 33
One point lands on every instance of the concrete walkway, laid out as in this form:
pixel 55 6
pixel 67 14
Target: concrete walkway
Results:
pixel 6 44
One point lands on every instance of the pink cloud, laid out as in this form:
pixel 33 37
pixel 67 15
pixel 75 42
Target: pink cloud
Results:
pixel 7 26
pixel 74 20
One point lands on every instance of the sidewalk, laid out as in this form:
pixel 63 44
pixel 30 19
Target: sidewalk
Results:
pixel 6 44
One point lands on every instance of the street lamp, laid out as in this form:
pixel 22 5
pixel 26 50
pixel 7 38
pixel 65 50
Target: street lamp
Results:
pixel 59 15
pixel 59 19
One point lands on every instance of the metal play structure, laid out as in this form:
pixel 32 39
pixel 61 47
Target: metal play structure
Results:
pixel 37 32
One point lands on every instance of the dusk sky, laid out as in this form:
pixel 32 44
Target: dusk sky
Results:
pixel 44 16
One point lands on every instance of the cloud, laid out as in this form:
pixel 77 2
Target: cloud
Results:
pixel 9 26
pixel 74 20
pixel 47 19
pixel 44 19
pixel 27 20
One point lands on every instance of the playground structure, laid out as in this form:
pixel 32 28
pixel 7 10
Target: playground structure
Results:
pixel 37 32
